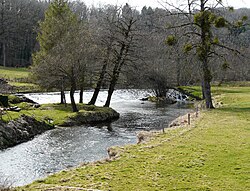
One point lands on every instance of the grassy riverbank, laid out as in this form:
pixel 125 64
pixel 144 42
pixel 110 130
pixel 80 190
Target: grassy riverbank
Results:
pixel 211 154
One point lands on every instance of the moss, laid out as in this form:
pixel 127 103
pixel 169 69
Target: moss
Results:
pixel 220 22
pixel 212 154
pixel 13 99
pixel 171 40
pixel 25 106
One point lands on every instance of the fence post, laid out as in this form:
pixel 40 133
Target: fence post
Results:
pixel 189 119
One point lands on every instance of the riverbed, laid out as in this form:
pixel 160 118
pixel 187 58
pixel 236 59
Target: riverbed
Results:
pixel 62 148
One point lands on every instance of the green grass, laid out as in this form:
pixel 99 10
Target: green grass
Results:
pixel 212 154
pixel 57 112
pixel 195 90
pixel 14 74
pixel 217 90
pixel 19 78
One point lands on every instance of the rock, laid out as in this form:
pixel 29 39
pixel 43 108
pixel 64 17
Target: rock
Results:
pixel 176 96
pixel 15 108
pixel 144 99
pixel 112 152
pixel 174 124
pixel 20 130
pixel 36 105
pixel 23 98
pixel 5 87
pixel 3 81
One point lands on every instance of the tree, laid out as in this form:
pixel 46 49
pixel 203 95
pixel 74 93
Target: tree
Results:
pixel 116 40
pixel 57 60
pixel 57 18
pixel 201 21
pixel 107 38
pixel 125 27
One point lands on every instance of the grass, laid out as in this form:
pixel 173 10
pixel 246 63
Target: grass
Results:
pixel 58 113
pixel 195 90
pixel 217 90
pixel 19 78
pixel 14 74
pixel 212 154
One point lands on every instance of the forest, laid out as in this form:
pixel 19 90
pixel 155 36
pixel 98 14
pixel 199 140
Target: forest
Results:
pixel 70 46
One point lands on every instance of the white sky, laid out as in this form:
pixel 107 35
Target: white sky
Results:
pixel 155 3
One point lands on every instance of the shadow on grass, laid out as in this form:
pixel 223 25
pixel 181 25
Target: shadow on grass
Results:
pixel 239 110
pixel 232 90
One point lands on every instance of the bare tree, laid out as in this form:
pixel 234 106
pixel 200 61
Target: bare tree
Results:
pixel 107 37
pixel 125 27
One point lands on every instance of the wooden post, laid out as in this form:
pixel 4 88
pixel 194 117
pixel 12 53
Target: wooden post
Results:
pixel 189 119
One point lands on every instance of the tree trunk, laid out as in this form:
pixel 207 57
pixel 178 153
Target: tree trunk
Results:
pixel 203 90
pixel 178 71
pixel 72 99
pixel 206 85
pixel 110 92
pixel 63 99
pixel 98 85
pixel 207 91
pixel 115 76
pixel 113 82
pixel 81 95
pixel 4 55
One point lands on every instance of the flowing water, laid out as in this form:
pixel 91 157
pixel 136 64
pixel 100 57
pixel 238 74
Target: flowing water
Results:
pixel 62 148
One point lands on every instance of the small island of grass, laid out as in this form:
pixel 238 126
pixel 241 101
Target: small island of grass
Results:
pixel 61 114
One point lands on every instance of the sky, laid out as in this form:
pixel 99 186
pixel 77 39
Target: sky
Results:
pixel 155 3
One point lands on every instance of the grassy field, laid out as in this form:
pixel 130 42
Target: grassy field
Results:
pixel 211 154
pixel 19 78
pixel 14 74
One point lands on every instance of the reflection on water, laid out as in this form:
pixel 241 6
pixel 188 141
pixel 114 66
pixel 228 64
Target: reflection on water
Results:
pixel 67 147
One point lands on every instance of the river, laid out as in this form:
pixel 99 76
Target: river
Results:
pixel 62 148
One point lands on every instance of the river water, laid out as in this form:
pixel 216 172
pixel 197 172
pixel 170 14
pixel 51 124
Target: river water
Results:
pixel 62 148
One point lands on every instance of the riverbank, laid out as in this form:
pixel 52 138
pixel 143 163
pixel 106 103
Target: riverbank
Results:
pixel 211 154
pixel 21 130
